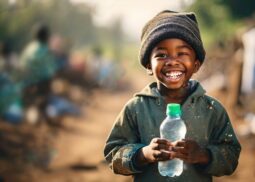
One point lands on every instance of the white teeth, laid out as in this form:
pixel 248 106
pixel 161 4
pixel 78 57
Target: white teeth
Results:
pixel 174 74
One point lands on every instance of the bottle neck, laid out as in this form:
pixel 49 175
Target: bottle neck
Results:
pixel 174 116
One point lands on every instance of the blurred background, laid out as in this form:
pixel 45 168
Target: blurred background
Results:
pixel 69 66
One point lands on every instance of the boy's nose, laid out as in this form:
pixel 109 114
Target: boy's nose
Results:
pixel 171 60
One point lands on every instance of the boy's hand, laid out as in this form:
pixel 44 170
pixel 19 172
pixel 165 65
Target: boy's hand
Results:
pixel 189 151
pixel 157 150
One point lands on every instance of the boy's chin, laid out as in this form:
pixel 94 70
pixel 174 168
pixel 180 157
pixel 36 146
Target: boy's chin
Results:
pixel 171 86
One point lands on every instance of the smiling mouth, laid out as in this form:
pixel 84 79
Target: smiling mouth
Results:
pixel 174 75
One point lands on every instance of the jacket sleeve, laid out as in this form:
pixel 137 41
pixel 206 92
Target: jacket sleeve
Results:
pixel 123 144
pixel 223 147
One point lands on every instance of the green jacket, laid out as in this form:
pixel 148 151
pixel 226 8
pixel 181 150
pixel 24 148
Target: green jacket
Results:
pixel 207 123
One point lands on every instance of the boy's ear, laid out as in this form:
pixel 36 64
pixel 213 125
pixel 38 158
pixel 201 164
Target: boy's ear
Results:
pixel 148 69
pixel 197 65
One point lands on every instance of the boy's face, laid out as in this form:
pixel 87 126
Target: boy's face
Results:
pixel 173 62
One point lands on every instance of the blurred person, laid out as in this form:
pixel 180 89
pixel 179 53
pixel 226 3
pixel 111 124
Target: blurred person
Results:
pixel 172 51
pixel 10 104
pixel 96 68
pixel 241 73
pixel 109 74
pixel 105 72
pixel 38 67
pixel 8 59
pixel 248 70
pixel 234 72
pixel 247 87
pixel 58 46
pixel 248 76
pixel 76 70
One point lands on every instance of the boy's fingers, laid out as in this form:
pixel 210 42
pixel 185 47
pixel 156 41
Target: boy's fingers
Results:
pixel 181 143
pixel 162 141
pixel 158 146
pixel 165 155
pixel 181 150
pixel 155 140
pixel 177 155
pixel 164 147
pixel 161 155
pixel 180 156
pixel 155 146
pixel 156 154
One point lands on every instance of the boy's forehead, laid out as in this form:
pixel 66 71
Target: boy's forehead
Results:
pixel 172 42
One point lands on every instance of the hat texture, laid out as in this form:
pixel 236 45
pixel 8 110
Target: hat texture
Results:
pixel 169 24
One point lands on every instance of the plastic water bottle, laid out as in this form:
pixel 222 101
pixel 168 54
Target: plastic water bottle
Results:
pixel 172 128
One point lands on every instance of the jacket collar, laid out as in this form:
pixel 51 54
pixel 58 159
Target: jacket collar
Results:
pixel 152 91
pixel 149 91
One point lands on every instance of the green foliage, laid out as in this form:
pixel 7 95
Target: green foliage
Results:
pixel 239 8
pixel 70 20
pixel 216 19
pixel 62 17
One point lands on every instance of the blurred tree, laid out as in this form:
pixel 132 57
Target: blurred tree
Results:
pixel 239 8
pixel 74 21
pixel 219 19
pixel 117 39
pixel 62 16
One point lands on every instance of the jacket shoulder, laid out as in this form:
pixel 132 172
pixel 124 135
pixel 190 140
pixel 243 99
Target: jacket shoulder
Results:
pixel 214 104
pixel 134 102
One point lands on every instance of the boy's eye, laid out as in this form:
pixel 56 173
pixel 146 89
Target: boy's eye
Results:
pixel 182 53
pixel 161 55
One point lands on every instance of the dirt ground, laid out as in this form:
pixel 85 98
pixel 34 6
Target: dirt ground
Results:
pixel 75 152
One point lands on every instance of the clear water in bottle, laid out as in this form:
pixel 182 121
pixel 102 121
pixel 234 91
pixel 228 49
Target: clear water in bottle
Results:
pixel 172 128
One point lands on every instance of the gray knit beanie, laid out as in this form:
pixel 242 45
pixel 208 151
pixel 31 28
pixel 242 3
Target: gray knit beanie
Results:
pixel 170 24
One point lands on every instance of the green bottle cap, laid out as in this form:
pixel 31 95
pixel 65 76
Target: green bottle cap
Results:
pixel 173 109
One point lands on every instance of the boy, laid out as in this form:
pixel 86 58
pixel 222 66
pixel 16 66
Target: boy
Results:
pixel 172 51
